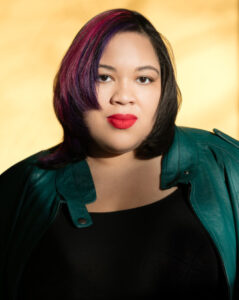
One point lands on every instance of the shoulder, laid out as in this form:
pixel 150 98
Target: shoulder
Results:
pixel 25 170
pixel 200 139
pixel 194 148
pixel 195 151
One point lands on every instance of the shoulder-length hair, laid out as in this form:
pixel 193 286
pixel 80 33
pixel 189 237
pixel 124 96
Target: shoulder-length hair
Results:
pixel 74 87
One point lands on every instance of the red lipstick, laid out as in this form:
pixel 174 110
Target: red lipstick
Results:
pixel 122 121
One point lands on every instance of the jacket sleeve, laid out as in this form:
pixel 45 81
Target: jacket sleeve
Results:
pixel 12 184
pixel 230 161
pixel 231 171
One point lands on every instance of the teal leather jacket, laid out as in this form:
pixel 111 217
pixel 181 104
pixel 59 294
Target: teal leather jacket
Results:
pixel 30 197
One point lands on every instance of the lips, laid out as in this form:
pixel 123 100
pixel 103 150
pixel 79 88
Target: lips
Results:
pixel 123 117
pixel 122 121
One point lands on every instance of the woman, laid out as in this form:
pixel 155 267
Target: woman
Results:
pixel 128 205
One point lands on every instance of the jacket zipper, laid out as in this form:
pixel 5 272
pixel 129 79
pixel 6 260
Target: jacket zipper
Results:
pixel 229 296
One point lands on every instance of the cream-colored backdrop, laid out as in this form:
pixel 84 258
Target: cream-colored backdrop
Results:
pixel 36 34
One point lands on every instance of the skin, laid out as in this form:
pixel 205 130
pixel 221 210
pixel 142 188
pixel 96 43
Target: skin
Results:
pixel 123 88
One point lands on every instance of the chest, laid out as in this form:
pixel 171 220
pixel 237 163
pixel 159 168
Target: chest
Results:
pixel 119 192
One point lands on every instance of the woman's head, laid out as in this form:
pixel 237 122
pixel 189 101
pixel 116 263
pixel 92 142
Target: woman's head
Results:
pixel 75 87
pixel 128 83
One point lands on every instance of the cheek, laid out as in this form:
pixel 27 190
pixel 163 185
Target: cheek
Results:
pixel 155 93
pixel 103 94
pixel 151 91
pixel 150 100
pixel 91 120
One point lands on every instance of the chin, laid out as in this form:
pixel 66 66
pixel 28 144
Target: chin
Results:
pixel 120 148
pixel 115 146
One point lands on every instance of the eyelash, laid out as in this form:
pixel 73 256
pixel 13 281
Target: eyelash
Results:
pixel 100 76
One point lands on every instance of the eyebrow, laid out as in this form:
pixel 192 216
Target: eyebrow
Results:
pixel 137 69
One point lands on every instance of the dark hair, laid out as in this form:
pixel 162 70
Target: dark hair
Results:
pixel 74 87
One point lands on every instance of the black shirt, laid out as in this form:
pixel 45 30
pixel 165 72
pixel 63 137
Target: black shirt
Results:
pixel 156 251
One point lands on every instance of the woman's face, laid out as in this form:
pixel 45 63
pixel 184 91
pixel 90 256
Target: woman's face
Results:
pixel 129 82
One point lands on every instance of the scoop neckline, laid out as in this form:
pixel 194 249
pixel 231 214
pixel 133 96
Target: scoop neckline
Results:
pixel 133 209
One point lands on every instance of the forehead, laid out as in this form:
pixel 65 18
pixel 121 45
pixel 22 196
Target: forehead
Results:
pixel 129 47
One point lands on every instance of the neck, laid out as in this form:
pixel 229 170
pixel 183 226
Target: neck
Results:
pixel 122 162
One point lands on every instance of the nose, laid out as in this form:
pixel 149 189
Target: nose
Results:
pixel 122 94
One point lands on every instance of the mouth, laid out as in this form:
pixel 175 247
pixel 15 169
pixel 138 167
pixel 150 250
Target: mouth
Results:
pixel 123 116
pixel 121 124
pixel 121 121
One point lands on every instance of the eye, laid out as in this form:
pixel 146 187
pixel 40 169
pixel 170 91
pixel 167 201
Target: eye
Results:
pixel 145 79
pixel 103 78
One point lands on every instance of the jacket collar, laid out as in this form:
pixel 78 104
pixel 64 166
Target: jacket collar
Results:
pixel 75 184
